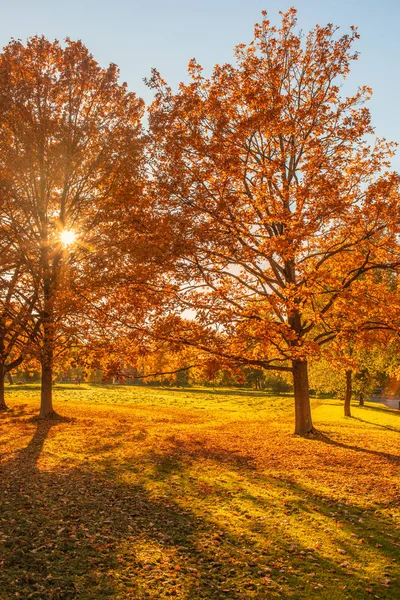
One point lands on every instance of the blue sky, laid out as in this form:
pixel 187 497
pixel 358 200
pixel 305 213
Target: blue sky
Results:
pixel 138 35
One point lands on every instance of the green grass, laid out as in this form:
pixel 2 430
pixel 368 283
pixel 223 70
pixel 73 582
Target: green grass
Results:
pixel 151 493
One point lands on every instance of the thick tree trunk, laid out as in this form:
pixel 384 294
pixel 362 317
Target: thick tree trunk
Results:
pixel 303 420
pixel 361 399
pixel 347 397
pixel 49 279
pixel 46 396
pixel 3 405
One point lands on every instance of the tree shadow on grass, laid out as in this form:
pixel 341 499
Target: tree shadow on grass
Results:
pixel 224 392
pixel 388 427
pixel 22 387
pixel 29 456
pixel 363 525
pixel 21 410
pixel 381 408
pixel 303 501
pixel 80 534
pixel 84 515
pixel 322 437
pixel 183 453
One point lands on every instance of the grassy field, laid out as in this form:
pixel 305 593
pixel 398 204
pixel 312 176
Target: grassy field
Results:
pixel 143 493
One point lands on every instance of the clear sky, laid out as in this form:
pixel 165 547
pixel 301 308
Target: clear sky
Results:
pixel 140 34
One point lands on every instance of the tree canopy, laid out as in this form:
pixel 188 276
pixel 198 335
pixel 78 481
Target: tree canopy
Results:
pixel 285 206
pixel 71 159
pixel 254 221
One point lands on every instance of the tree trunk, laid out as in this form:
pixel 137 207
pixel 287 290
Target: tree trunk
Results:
pixel 303 420
pixel 46 396
pixel 3 405
pixel 49 278
pixel 347 397
pixel 361 399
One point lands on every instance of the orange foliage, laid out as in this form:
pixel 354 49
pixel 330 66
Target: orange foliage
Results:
pixel 285 209
pixel 71 157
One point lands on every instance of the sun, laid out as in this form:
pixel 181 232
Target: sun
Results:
pixel 67 237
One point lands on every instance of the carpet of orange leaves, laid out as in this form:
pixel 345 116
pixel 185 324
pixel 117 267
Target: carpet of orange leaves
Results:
pixel 197 495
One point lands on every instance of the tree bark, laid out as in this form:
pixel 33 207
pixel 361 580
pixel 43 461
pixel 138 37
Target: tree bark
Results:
pixel 303 420
pixel 361 399
pixel 347 397
pixel 3 405
pixel 49 279
pixel 46 395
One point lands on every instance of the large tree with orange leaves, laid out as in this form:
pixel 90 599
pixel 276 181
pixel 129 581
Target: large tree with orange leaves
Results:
pixel 266 173
pixel 19 323
pixel 71 159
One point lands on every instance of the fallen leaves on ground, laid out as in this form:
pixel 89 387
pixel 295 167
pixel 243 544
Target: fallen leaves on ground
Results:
pixel 144 494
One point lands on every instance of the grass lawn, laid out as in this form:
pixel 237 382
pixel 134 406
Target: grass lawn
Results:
pixel 153 493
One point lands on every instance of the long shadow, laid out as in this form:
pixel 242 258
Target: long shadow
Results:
pixel 89 534
pixel 388 427
pixel 182 454
pixel 29 456
pixel 81 534
pixel 348 515
pixel 216 392
pixel 381 408
pixel 102 526
pixel 86 516
pixel 17 387
pixel 394 458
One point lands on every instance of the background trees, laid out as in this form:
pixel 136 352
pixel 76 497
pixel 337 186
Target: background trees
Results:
pixel 284 206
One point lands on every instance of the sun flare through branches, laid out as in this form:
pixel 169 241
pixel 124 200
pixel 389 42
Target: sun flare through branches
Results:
pixel 68 237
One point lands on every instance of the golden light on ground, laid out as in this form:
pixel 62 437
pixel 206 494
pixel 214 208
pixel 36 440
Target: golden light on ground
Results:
pixel 67 237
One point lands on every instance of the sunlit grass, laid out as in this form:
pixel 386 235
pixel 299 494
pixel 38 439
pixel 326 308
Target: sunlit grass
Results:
pixel 156 493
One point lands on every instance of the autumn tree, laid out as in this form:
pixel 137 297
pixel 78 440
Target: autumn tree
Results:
pixel 362 329
pixel 71 146
pixel 19 323
pixel 266 175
